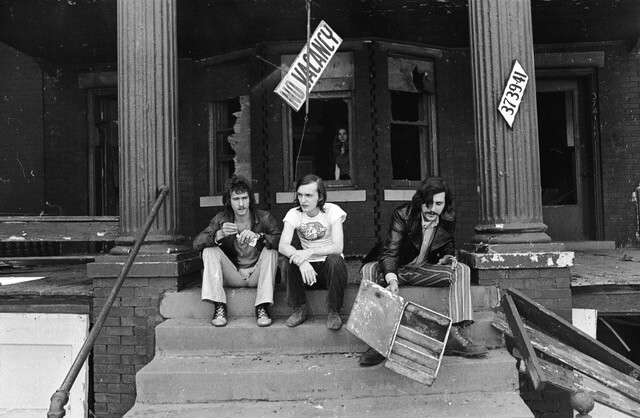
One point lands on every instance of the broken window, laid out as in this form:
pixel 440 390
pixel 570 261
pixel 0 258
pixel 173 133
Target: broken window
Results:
pixel 326 147
pixel 412 134
pixel 320 151
pixel 222 118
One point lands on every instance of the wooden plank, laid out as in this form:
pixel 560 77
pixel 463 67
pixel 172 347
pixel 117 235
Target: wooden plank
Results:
pixel 558 328
pixel 418 354
pixel 574 381
pixel 523 343
pixel 410 372
pixel 420 339
pixel 59 229
pixel 577 360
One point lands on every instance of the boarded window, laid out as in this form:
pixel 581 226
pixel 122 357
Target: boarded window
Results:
pixel 412 134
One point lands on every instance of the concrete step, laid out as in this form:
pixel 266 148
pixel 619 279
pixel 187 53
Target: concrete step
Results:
pixel 470 404
pixel 241 301
pixel 169 379
pixel 241 336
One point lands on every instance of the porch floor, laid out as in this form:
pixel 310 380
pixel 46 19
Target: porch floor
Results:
pixel 606 267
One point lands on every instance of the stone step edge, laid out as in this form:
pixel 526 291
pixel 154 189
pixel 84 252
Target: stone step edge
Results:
pixel 477 404
pixel 198 337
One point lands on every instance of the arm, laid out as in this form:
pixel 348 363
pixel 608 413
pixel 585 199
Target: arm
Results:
pixel 271 232
pixel 285 248
pixel 337 172
pixel 390 253
pixel 336 246
pixel 207 237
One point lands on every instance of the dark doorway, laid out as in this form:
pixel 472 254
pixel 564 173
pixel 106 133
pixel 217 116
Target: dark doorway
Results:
pixel 103 153
pixel 566 160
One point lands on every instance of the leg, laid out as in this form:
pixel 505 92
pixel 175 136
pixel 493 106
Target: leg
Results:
pixel 296 294
pixel 218 271
pixel 263 277
pixel 434 275
pixel 334 274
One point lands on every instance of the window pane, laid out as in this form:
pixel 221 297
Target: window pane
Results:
pixel 317 156
pixel 557 158
pixel 405 152
pixel 405 106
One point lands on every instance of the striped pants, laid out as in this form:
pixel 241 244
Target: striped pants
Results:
pixel 433 275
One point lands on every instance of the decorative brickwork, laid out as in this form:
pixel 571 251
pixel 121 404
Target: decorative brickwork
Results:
pixel 127 341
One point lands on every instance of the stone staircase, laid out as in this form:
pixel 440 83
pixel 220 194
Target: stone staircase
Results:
pixel 244 370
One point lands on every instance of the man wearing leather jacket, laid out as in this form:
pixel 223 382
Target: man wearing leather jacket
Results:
pixel 239 249
pixel 419 250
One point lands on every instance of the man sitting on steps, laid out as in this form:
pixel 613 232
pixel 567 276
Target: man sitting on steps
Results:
pixel 419 251
pixel 239 249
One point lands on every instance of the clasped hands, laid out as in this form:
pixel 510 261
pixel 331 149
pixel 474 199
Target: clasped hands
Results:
pixel 301 259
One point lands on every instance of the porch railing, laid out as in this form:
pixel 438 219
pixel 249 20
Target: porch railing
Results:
pixel 61 396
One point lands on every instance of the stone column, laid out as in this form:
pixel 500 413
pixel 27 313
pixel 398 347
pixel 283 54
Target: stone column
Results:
pixel 148 118
pixel 508 158
pixel 512 248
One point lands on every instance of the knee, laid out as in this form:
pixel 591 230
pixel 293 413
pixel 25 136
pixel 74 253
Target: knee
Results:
pixel 211 253
pixel 335 260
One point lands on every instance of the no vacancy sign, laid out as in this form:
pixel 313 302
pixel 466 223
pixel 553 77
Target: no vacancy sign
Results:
pixel 322 46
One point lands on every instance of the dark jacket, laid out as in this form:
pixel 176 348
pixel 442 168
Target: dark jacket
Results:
pixel 404 239
pixel 263 223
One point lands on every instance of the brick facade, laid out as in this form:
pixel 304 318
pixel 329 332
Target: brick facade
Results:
pixel 127 340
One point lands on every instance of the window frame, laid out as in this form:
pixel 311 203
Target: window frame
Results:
pixel 287 143
pixel 214 108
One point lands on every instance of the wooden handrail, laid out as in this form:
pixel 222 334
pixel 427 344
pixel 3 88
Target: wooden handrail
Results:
pixel 61 396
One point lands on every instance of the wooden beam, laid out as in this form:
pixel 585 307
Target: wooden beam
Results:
pixel 574 381
pixel 523 343
pixel 558 328
pixel 59 228
pixel 577 360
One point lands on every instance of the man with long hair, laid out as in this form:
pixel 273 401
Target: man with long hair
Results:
pixel 419 250
pixel 239 249
pixel 319 264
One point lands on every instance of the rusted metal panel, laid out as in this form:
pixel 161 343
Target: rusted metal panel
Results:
pixel 410 336
pixel 374 316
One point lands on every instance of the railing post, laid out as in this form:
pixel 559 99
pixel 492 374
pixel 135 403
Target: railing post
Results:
pixel 60 398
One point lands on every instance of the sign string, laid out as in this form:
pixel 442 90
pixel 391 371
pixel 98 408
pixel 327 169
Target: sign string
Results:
pixel 306 115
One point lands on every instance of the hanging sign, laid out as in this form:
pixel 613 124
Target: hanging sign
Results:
pixel 513 93
pixel 322 45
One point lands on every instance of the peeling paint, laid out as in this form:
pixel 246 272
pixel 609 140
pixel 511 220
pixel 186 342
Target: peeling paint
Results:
pixel 565 259
pixel 534 257
pixel 14 238
pixel 240 140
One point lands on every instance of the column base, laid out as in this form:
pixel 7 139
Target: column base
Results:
pixel 544 276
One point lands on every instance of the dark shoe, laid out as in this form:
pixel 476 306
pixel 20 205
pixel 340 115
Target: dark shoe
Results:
pixel 298 316
pixel 220 314
pixel 262 314
pixel 459 345
pixel 370 358
pixel 333 320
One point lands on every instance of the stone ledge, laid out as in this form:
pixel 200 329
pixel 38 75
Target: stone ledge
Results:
pixel 524 260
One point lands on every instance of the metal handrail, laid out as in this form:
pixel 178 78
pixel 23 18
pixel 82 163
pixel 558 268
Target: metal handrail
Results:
pixel 61 396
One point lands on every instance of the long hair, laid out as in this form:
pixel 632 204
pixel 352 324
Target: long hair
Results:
pixel 322 191
pixel 428 188
pixel 337 144
pixel 238 185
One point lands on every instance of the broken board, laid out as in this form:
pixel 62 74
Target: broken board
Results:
pixel 556 352
pixel 410 336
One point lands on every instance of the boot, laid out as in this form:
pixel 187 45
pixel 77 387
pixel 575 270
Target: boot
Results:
pixel 298 316
pixel 370 358
pixel 333 320
pixel 219 314
pixel 459 345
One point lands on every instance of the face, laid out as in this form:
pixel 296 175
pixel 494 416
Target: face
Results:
pixel 342 135
pixel 240 203
pixel 430 213
pixel 308 198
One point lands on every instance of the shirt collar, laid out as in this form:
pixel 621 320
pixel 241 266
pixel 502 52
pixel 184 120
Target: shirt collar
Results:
pixel 431 224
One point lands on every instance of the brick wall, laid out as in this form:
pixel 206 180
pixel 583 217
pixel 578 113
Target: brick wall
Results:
pixel 127 340
pixel 620 136
pixel 21 139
